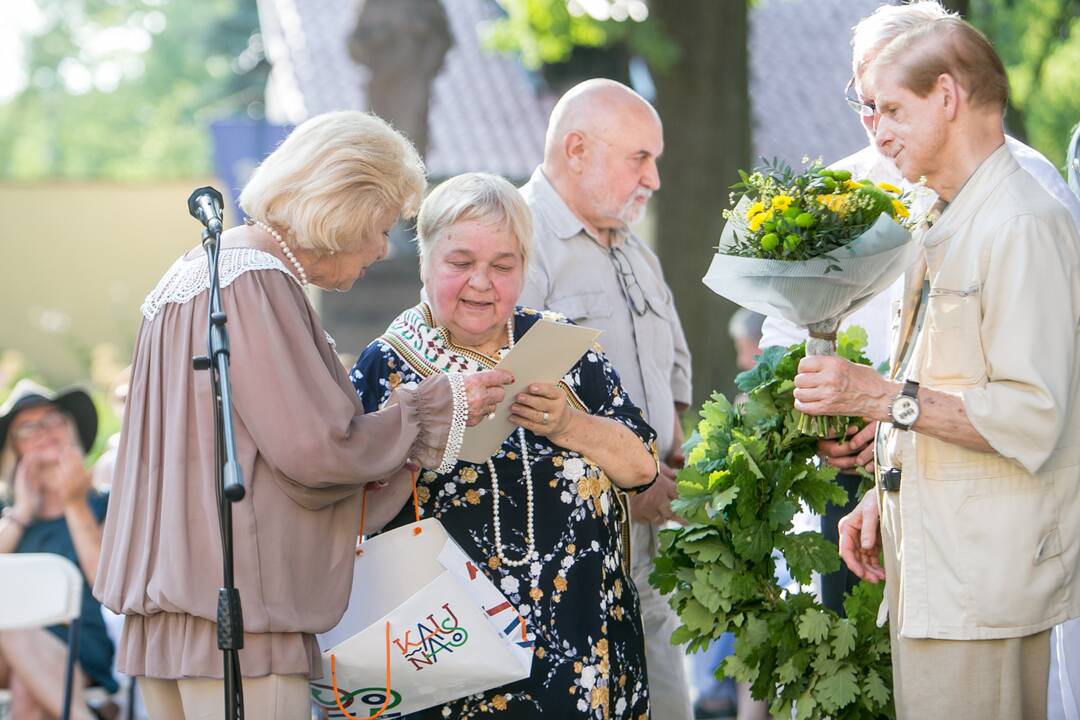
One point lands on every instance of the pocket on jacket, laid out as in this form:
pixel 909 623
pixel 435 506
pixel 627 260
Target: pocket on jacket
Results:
pixel 954 353
pixel 1009 547
pixel 582 307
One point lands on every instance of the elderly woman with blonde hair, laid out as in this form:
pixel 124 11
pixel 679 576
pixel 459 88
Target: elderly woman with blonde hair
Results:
pixel 320 209
pixel 542 516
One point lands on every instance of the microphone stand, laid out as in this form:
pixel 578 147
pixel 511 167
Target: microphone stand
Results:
pixel 230 483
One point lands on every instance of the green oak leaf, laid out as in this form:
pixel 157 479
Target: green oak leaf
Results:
pixel 837 690
pixel 814 626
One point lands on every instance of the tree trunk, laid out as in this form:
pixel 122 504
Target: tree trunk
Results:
pixel 704 103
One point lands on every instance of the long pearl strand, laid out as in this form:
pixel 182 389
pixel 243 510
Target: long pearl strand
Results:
pixel 530 538
pixel 285 249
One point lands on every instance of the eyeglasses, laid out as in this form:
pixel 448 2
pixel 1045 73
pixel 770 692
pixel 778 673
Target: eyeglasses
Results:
pixel 628 281
pixel 866 109
pixel 49 421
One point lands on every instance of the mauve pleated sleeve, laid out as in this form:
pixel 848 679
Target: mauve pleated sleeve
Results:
pixel 296 401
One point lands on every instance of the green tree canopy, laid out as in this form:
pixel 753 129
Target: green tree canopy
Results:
pixel 123 89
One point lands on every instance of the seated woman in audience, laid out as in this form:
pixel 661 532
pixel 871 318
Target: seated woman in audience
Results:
pixel 51 508
pixel 542 517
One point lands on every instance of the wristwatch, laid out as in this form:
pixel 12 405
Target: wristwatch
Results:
pixel 904 409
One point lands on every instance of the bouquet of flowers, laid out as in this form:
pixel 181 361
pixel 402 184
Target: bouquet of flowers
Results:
pixel 811 247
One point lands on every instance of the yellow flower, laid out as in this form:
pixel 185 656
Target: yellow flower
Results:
pixel 423 494
pixel 468 474
pixel 541 652
pixel 617 589
pixel 472 497
pixel 889 187
pixel 758 220
pixel 899 208
pixel 560 583
pixel 571 548
pixel 782 202
pixel 852 185
pixel 536 593
pixel 756 208
pixel 494 562
pixel 394 379
pixel 837 203
pixel 499 701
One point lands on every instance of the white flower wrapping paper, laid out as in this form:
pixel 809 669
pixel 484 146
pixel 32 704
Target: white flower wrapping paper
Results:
pixel 806 292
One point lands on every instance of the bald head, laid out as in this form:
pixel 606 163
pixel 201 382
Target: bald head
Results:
pixel 595 107
pixel 603 141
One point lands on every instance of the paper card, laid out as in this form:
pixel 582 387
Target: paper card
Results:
pixel 543 355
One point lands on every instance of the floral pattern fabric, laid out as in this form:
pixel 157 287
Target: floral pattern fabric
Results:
pixel 577 597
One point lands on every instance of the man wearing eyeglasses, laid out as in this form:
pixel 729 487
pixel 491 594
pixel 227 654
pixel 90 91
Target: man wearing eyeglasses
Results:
pixel 869 36
pixel 599 171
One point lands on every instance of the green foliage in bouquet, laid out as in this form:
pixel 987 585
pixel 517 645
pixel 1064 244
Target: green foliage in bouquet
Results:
pixel 748 470
pixel 804 215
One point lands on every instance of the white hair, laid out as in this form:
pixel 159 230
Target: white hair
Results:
pixel 876 30
pixel 474 196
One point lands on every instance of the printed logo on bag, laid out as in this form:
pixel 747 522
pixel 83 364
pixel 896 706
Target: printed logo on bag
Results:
pixel 431 639
pixel 355 701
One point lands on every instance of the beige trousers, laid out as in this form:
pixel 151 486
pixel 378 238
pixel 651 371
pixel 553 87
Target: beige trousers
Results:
pixel 959 679
pixel 271 697
pixel 669 690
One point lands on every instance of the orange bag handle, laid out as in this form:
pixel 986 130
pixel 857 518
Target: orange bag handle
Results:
pixel 363 511
pixel 337 695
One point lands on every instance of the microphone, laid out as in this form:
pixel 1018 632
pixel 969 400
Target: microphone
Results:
pixel 205 205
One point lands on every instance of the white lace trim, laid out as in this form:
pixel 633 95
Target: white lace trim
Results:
pixel 187 278
pixel 458 421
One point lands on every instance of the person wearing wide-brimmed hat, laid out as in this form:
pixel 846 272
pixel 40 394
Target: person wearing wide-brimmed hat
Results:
pixel 50 507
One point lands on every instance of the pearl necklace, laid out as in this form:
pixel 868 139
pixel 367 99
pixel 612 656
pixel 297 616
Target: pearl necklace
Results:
pixel 285 249
pixel 530 538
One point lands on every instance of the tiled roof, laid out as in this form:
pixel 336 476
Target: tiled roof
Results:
pixel 800 61
pixel 487 113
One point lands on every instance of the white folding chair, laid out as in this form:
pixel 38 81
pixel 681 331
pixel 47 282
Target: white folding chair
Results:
pixel 41 589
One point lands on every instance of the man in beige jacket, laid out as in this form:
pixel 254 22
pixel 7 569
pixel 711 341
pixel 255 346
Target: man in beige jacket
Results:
pixel 978 457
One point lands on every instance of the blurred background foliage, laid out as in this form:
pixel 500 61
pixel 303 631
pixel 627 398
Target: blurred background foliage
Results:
pixel 123 89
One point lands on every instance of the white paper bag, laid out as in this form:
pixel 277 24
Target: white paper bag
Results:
pixel 451 632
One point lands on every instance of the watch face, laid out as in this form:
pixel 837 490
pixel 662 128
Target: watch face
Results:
pixel 904 410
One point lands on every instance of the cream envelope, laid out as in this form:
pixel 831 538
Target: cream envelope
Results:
pixel 543 355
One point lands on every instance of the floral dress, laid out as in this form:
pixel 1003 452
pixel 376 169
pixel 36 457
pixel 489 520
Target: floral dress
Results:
pixel 577 597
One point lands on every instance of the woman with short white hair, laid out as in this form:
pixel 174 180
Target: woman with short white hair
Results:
pixel 320 209
pixel 543 516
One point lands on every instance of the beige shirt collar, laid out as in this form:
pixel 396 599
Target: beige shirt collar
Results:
pixel 558 214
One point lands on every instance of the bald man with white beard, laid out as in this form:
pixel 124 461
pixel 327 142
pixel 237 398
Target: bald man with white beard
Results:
pixel 599 171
